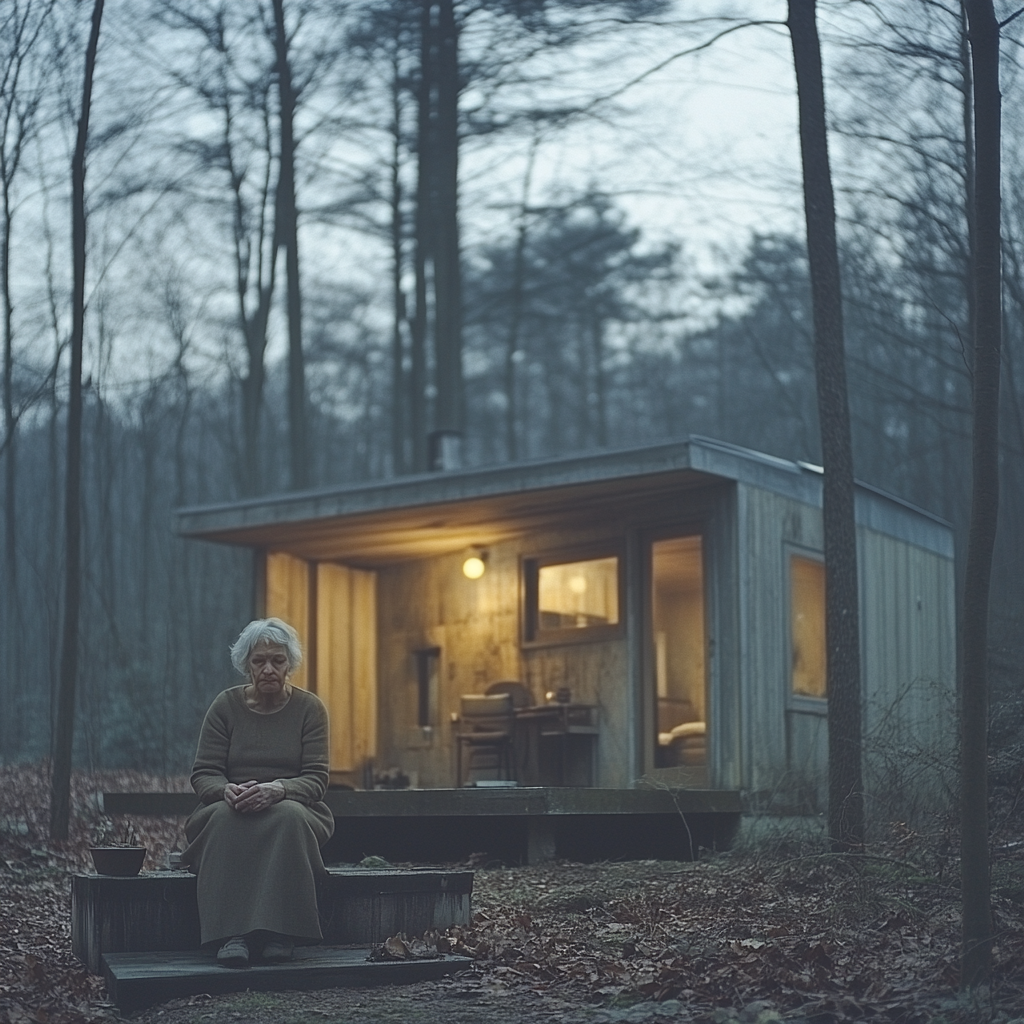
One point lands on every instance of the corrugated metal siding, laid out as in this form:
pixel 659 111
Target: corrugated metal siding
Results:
pixel 909 665
pixel 771 527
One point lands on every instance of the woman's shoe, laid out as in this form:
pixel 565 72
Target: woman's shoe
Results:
pixel 234 953
pixel 278 948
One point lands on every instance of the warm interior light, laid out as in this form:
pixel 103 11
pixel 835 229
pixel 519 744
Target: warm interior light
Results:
pixel 473 567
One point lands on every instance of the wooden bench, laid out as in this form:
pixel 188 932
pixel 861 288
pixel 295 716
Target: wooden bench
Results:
pixel 156 911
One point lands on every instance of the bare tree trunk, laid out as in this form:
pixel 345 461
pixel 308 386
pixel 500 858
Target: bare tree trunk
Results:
pixel 60 779
pixel 600 381
pixel 515 319
pixel 449 415
pixel 286 217
pixel 20 27
pixel 976 954
pixel 254 327
pixel 398 381
pixel 424 240
pixel 842 630
pixel 967 111
pixel 10 450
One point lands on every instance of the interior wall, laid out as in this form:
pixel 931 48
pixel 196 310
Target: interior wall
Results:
pixel 476 624
pixel 429 603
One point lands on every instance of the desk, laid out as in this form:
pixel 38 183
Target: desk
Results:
pixel 556 744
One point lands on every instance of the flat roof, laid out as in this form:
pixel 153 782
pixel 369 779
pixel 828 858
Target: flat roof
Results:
pixel 427 514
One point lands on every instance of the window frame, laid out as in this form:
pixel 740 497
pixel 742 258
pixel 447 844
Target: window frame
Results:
pixel 801 702
pixel 531 564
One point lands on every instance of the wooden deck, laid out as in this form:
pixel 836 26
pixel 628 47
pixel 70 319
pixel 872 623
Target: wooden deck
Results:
pixel 523 825
pixel 138 980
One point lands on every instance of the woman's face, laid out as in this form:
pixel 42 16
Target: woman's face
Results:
pixel 268 669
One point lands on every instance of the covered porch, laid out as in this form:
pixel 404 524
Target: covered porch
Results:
pixel 583 594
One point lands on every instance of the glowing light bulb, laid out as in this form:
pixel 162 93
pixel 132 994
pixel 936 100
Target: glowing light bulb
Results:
pixel 473 567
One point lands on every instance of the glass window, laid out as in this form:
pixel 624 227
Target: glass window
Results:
pixel 807 611
pixel 576 595
pixel 573 600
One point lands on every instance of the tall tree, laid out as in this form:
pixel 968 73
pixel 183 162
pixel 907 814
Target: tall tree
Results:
pixel 442 81
pixel 976 954
pixel 60 779
pixel 842 630
pixel 424 239
pixel 515 320
pixel 233 81
pixel 22 85
pixel 287 220
pixel 449 409
pixel 384 45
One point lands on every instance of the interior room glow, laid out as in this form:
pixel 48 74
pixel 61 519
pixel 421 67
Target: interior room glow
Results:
pixel 807 614
pixel 473 567
pixel 575 595
pixel 677 606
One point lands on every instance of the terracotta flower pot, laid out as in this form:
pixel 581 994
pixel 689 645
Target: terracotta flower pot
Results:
pixel 118 860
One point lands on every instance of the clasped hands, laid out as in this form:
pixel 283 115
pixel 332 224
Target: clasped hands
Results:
pixel 253 796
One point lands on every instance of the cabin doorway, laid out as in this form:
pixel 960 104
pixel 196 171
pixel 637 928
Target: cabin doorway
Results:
pixel 679 660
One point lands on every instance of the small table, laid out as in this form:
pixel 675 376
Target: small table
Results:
pixel 556 744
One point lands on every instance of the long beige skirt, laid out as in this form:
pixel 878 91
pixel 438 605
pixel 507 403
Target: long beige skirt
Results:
pixel 258 871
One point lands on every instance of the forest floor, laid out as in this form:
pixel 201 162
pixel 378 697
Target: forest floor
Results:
pixel 778 929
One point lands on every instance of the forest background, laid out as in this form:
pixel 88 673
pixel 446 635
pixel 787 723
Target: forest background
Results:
pixel 633 270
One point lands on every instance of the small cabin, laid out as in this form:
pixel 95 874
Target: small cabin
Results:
pixel 653 613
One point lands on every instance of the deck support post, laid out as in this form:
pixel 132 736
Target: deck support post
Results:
pixel 540 840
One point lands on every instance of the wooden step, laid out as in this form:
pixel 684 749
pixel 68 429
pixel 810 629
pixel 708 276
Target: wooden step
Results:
pixel 156 911
pixel 137 980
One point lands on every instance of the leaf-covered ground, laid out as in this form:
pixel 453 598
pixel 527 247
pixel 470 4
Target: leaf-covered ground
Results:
pixel 779 928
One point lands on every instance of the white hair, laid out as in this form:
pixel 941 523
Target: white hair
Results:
pixel 268 631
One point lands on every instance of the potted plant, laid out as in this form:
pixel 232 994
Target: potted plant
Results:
pixel 117 850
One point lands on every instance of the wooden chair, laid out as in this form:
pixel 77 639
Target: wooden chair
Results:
pixel 487 721
pixel 519 692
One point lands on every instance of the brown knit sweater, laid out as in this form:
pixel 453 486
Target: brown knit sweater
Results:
pixel 237 744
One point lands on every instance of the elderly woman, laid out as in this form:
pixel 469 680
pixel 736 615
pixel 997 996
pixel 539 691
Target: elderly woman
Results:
pixel 260 771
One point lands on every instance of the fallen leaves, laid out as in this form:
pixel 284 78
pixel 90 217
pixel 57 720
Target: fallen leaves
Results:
pixel 41 982
pixel 862 940
pixel 734 939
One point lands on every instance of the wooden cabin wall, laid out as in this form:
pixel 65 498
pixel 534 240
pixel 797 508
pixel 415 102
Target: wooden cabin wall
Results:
pixel 597 673
pixel 476 624
pixel 287 598
pixel 346 665
pixel 785 743
pixel 908 667
pixel 430 603
pixel 908 618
